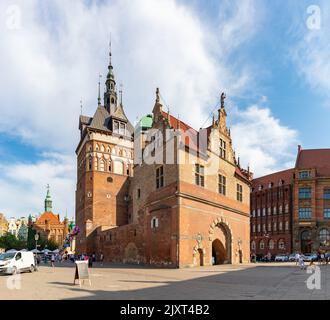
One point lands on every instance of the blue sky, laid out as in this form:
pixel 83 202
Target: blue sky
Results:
pixel 262 53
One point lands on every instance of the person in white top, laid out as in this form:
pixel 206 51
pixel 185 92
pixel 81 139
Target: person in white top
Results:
pixel 301 262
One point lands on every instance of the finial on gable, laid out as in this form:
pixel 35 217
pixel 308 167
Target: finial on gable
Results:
pixel 157 95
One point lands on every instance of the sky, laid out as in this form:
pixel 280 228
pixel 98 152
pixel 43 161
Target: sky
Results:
pixel 272 58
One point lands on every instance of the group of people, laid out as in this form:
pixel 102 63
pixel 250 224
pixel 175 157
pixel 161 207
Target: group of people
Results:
pixel 321 258
pixel 59 257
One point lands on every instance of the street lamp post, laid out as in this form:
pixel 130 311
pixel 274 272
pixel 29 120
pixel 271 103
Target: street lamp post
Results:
pixel 36 238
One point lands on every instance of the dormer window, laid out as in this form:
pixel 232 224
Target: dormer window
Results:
pixel 119 127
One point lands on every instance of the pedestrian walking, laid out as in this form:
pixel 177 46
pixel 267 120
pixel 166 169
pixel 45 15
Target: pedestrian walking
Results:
pixel 90 261
pixel 297 258
pixel 52 261
pixel 302 262
pixel 101 258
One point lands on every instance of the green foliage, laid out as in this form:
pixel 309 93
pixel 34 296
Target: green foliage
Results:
pixel 31 243
pixel 9 241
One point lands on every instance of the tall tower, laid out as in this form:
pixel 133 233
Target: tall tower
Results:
pixel 105 164
pixel 48 201
pixel 110 95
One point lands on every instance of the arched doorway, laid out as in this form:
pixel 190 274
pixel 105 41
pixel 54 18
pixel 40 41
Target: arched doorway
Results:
pixel 201 257
pixel 220 242
pixel 306 237
pixel 219 254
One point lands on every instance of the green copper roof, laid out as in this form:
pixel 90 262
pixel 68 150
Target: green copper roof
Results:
pixel 146 121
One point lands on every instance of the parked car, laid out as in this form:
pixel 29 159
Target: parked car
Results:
pixel 17 261
pixel 281 258
pixel 308 257
pixel 292 257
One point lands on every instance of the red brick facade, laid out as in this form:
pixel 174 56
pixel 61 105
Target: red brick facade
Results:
pixel 271 214
pixel 311 213
pixel 172 214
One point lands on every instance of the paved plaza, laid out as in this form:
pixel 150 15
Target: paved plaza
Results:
pixel 255 281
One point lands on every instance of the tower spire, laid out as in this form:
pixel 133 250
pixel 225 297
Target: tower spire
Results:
pixel 99 96
pixel 121 93
pixel 110 96
pixel 48 201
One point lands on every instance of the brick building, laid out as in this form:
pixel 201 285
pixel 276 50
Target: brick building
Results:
pixel 311 215
pixel 173 212
pixel 290 210
pixel 271 214
pixel 48 225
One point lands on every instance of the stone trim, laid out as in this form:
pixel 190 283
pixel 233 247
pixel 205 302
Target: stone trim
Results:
pixel 211 203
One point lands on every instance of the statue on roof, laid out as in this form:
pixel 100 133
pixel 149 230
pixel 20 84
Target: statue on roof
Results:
pixel 223 97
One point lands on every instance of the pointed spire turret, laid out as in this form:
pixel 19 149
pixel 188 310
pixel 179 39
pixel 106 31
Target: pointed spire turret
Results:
pixel 99 95
pixel 48 201
pixel 110 95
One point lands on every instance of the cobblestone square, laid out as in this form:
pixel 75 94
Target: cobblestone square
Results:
pixel 226 282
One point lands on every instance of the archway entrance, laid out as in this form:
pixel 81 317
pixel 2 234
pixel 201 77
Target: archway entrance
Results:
pixel 219 254
pixel 201 257
pixel 306 237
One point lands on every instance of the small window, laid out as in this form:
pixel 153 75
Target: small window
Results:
pixel 327 213
pixel 305 213
pixel 305 193
pixel 222 149
pixel 305 174
pixel 160 177
pixel 281 245
pixel 262 245
pixel 138 193
pixel 122 129
pixel 326 194
pixel 116 127
pixel 199 175
pixel 222 185
pixel 154 223
pixel 239 194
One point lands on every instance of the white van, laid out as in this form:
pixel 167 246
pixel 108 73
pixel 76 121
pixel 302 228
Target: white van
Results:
pixel 19 261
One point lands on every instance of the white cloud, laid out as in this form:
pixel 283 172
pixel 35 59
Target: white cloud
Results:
pixel 54 58
pixel 263 142
pixel 311 53
pixel 23 186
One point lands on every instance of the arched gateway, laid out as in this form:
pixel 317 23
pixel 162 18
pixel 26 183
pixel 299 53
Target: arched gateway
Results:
pixel 221 238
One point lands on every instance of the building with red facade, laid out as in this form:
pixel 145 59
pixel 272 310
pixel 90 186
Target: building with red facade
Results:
pixel 311 208
pixel 290 209
pixel 271 214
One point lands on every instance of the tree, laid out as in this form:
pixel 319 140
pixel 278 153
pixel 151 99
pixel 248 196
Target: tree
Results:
pixel 9 241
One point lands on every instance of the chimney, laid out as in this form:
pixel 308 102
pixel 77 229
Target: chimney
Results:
pixel 299 148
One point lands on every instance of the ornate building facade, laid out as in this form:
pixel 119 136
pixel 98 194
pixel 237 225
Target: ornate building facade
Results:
pixel 48 225
pixel 311 215
pixel 290 210
pixel 138 202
